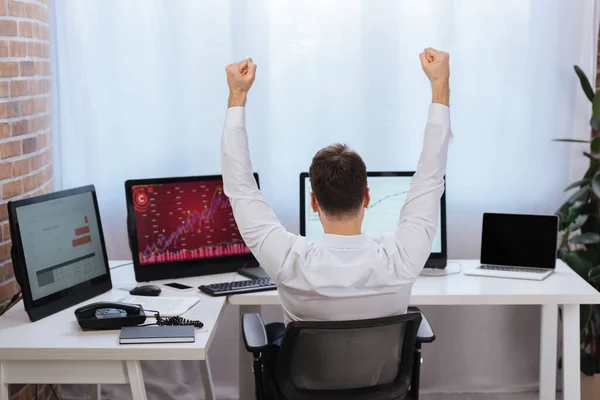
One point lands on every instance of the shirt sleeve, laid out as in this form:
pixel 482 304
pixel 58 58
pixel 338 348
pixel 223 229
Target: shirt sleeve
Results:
pixel 264 235
pixel 419 216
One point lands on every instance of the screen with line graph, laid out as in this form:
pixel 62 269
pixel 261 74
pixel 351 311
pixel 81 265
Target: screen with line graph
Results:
pixel 185 221
pixel 388 194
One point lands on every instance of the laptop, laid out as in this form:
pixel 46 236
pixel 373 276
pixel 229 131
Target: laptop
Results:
pixel 518 246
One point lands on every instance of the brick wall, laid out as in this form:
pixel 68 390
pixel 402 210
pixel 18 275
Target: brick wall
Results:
pixel 25 137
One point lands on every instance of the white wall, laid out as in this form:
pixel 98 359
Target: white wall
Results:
pixel 141 93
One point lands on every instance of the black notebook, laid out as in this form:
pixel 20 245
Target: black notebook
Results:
pixel 157 334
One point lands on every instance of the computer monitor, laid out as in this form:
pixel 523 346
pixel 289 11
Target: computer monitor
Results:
pixel 58 250
pixel 388 193
pixel 183 227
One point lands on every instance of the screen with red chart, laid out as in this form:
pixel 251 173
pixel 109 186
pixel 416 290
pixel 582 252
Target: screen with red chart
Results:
pixel 185 221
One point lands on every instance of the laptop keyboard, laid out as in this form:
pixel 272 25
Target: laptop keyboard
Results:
pixel 512 269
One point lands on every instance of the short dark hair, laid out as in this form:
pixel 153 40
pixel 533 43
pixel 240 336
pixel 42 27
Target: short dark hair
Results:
pixel 338 177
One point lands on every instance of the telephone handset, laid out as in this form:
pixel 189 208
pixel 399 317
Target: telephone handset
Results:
pixel 109 315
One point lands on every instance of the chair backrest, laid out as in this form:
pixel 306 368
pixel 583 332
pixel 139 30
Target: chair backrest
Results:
pixel 350 360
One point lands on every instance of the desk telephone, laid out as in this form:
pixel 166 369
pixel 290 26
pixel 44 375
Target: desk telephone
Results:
pixel 109 315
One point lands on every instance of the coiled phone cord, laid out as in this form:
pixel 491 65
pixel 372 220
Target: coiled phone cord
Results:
pixel 174 321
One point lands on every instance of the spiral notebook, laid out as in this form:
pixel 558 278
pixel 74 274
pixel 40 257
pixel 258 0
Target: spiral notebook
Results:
pixel 157 334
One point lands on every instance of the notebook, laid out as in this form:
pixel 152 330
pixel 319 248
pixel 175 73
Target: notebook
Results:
pixel 157 334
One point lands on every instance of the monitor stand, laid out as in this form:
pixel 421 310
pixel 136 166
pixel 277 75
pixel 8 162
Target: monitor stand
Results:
pixel 253 272
pixel 451 269
pixel 433 272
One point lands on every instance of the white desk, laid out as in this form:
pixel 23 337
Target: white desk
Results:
pixel 563 288
pixel 56 350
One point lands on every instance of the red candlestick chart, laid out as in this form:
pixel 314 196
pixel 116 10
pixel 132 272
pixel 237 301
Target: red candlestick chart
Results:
pixel 185 221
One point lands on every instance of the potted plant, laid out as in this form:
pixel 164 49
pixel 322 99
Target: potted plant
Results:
pixel 580 241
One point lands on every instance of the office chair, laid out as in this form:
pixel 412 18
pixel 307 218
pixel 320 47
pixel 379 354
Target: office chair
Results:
pixel 375 359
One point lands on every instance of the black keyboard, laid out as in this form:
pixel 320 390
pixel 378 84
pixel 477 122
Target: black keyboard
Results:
pixel 253 285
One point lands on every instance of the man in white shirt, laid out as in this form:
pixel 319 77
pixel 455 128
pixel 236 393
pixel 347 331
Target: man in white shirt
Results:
pixel 347 276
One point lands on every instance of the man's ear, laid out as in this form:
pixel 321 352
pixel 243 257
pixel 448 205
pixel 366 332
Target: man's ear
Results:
pixel 367 198
pixel 313 202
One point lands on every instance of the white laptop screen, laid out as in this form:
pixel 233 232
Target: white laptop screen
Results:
pixel 519 240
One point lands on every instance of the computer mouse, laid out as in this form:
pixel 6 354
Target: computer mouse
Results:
pixel 145 290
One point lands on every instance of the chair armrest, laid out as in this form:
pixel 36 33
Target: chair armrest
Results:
pixel 254 333
pixel 425 333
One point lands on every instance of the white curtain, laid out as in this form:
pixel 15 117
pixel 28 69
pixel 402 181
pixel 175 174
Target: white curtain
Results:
pixel 141 92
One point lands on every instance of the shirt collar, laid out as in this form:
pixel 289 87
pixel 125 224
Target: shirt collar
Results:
pixel 344 242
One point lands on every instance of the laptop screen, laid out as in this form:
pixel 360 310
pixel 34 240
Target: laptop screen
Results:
pixel 519 240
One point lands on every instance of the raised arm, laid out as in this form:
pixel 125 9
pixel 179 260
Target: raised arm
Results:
pixel 261 230
pixel 419 216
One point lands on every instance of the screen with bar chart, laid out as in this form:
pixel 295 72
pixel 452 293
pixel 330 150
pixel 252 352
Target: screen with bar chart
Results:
pixel 181 221
pixel 388 194
pixel 61 243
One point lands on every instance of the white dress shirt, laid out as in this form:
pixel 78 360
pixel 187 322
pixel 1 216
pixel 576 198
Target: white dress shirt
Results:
pixel 343 277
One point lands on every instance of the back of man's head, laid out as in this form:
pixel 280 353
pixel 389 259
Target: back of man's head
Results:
pixel 338 177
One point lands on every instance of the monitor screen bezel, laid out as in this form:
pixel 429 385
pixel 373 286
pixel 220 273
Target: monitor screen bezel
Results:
pixel 435 256
pixel 177 269
pixel 486 221
pixel 55 302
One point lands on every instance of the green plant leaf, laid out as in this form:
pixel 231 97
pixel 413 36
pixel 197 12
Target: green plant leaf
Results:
pixel 585 315
pixel 586 238
pixel 580 183
pixel 562 216
pixel 591 156
pixel 585 83
pixel 578 223
pixel 561 250
pixel 580 195
pixel 596 185
pixel 591 225
pixel 596 317
pixel 571 140
pixel 595 145
pixel 594 123
pixel 594 165
pixel 596 107
pixel 578 263
pixel 568 213
pixel 594 275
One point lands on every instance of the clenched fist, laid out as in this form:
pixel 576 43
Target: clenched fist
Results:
pixel 240 77
pixel 436 65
